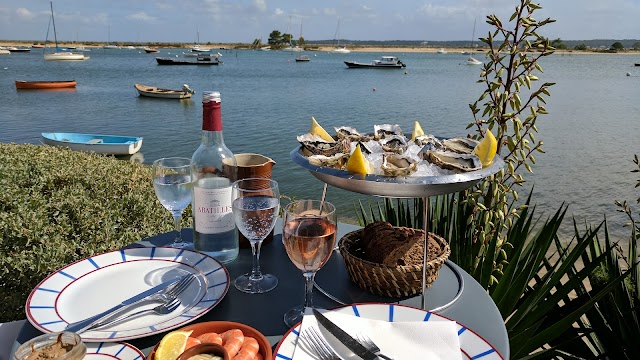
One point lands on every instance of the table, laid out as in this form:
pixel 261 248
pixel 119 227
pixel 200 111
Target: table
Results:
pixel 474 308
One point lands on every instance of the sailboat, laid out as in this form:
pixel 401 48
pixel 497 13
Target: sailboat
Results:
pixel 300 57
pixel 339 49
pixel 291 47
pixel 471 60
pixel 59 55
pixel 109 44
pixel 197 47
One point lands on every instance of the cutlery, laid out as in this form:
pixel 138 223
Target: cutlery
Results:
pixel 162 309
pixel 83 325
pixel 369 344
pixel 318 344
pixel 346 339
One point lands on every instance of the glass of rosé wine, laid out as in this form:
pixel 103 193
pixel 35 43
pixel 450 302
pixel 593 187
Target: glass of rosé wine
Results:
pixel 309 235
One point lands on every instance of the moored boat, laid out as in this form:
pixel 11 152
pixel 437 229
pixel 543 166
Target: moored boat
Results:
pixel 14 49
pixel 152 91
pixel 61 55
pixel 4 52
pixel 303 58
pixel 472 61
pixel 150 50
pixel 100 144
pixel 200 60
pixel 23 84
pixel 385 62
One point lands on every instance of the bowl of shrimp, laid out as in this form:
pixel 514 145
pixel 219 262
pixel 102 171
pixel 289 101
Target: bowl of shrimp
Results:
pixel 239 341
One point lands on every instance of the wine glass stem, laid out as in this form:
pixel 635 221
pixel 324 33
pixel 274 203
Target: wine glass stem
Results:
pixel 176 224
pixel 255 249
pixel 308 289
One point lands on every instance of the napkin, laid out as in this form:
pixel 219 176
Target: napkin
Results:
pixel 427 340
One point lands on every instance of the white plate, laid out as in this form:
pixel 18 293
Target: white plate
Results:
pixel 473 346
pixel 111 351
pixel 95 284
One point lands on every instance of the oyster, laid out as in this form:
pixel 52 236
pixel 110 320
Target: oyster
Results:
pixel 453 161
pixel 398 165
pixel 348 132
pixel 385 130
pixel 315 145
pixel 431 140
pixel 395 144
pixel 337 161
pixel 460 145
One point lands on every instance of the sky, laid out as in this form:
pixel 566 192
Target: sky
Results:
pixel 242 21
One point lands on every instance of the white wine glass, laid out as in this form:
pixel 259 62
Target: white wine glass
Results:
pixel 256 206
pixel 309 235
pixel 172 184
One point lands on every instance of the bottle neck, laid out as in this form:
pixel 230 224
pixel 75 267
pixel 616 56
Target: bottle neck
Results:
pixel 211 122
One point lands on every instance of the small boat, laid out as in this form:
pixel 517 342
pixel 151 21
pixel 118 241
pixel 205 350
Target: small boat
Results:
pixel 341 50
pixel 303 58
pixel 14 49
pixel 472 61
pixel 150 50
pixel 198 48
pixel 4 52
pixel 200 60
pixel 385 62
pixel 37 46
pixel 152 91
pixel 61 55
pixel 637 64
pixel 441 51
pixel 111 47
pixel 100 144
pixel 22 84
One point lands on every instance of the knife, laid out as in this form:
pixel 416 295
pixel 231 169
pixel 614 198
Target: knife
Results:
pixel 83 325
pixel 344 337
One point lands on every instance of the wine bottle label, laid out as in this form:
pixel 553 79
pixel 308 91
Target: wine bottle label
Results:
pixel 212 209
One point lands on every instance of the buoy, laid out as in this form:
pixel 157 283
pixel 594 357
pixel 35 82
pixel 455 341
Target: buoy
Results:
pixel 374 89
pixel 628 74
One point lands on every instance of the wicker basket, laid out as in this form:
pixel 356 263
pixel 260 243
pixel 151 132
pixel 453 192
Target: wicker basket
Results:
pixel 391 281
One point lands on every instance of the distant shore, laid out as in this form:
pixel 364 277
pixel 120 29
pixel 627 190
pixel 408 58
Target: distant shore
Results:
pixel 322 48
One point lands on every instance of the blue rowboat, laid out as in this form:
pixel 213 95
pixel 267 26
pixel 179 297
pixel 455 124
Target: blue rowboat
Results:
pixel 100 144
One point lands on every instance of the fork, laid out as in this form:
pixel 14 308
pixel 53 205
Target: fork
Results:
pixel 369 344
pixel 162 309
pixel 318 344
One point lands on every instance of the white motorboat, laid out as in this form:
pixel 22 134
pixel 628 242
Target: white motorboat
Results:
pixel 385 62
pixel 441 51
pixel 472 61
pixel 341 50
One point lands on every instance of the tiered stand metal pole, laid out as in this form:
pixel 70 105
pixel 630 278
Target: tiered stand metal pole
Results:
pixel 401 187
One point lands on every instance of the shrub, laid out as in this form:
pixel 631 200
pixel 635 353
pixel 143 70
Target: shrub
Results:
pixel 58 206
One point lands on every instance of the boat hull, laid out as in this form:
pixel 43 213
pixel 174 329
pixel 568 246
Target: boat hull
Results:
pixel 357 65
pixel 172 61
pixel 22 84
pixel 99 144
pixel 154 92
pixel 66 56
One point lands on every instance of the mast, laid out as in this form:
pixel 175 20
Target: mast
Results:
pixel 473 34
pixel 53 19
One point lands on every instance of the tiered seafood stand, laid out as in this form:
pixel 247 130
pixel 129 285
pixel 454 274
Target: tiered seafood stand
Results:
pixel 405 187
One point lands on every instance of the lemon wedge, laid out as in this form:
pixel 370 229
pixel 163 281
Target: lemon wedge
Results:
pixel 172 345
pixel 417 131
pixel 316 129
pixel 486 149
pixel 357 162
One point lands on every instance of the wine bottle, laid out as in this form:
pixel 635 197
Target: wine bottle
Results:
pixel 212 164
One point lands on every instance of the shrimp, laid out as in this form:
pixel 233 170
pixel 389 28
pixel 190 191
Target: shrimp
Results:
pixel 232 341
pixel 191 341
pixel 258 357
pixel 210 338
pixel 248 350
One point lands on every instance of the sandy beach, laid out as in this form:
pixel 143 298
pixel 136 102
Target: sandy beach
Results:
pixel 323 48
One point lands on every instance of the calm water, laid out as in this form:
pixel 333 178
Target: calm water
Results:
pixel 590 136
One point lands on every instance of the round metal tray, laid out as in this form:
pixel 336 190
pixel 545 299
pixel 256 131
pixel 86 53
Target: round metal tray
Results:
pixel 398 187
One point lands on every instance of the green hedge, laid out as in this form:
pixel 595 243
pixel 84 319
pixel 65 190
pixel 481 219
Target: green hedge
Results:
pixel 58 206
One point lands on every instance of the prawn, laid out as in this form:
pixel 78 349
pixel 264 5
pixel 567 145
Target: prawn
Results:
pixel 191 341
pixel 210 338
pixel 258 357
pixel 232 341
pixel 248 350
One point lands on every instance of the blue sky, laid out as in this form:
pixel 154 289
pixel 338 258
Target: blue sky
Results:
pixel 228 21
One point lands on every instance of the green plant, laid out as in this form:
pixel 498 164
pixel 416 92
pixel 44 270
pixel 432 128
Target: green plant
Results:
pixel 58 206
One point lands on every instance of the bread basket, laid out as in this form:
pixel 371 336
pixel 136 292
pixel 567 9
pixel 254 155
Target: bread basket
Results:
pixel 392 281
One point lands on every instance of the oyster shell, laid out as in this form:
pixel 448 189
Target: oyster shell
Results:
pixel 385 130
pixel 398 165
pixel 348 132
pixel 424 140
pixel 315 145
pixel 453 161
pixel 394 144
pixel 337 161
pixel 460 145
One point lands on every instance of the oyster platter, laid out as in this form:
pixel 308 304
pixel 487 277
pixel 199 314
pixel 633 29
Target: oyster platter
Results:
pixel 385 162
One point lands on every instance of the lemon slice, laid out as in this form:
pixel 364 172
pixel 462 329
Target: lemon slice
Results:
pixel 357 162
pixel 316 129
pixel 486 149
pixel 172 345
pixel 417 131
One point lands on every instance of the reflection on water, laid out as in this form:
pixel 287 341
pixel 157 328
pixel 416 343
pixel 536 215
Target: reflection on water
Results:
pixel 137 157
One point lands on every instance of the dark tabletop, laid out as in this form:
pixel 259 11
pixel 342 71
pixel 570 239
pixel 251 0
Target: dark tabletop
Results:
pixel 474 308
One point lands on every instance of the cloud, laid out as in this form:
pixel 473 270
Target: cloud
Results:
pixel 442 11
pixel 278 12
pixel 329 11
pixel 142 16
pixel 261 5
pixel 24 14
pixel 366 8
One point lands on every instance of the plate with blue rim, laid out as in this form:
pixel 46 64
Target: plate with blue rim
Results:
pixel 95 284
pixel 111 351
pixel 472 345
